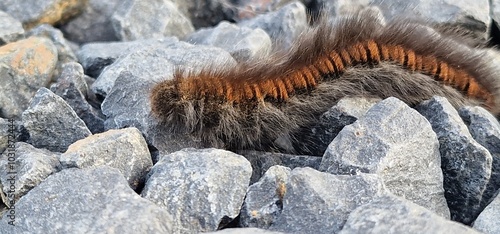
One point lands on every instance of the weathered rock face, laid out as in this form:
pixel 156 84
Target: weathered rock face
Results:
pixel 25 66
pixel 51 123
pixel 396 143
pixel 124 149
pixel 34 12
pixel 487 221
pixel 97 200
pixel 94 23
pixel 241 42
pixel 465 163
pixel 25 169
pixel 320 202
pixel 10 29
pixel 202 189
pixel 264 200
pixel 132 20
pixel 391 214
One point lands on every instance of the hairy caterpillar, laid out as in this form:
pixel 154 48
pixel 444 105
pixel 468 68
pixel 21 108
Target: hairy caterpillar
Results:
pixel 252 104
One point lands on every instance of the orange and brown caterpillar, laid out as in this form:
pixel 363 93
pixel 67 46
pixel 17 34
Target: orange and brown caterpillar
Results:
pixel 256 102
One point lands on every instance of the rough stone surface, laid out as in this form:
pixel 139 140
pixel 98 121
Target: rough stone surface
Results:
pixel 395 142
pixel 242 231
pixel 205 13
pixel 94 57
pixel 25 66
pixel 202 189
pixel 391 214
pixel 345 112
pixel 127 104
pixel 64 52
pixel 123 149
pixel 93 24
pixel 31 167
pixel 487 221
pixel 241 42
pixel 146 19
pixel 73 88
pixel 262 161
pixel 51 123
pixel 283 25
pixel 241 10
pixel 97 200
pixel 10 29
pixel 485 129
pixel 264 199
pixel 318 202
pixel 35 12
pixel 473 16
pixel 466 165
pixel 157 61
pixel 6 129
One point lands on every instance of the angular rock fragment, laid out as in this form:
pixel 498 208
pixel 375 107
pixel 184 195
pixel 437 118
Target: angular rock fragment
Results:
pixel 391 214
pixel 264 199
pixel 25 169
pixel 51 123
pixel 72 87
pixel 398 144
pixel 10 29
pixel 25 66
pixel 283 25
pixel 318 202
pixel 203 189
pixel 96 200
pixel 147 19
pixel 241 42
pixel 35 12
pixel 123 149
pixel 487 221
pixel 485 129
pixel 466 165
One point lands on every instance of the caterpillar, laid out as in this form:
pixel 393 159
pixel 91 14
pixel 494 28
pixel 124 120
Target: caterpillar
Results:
pixel 252 104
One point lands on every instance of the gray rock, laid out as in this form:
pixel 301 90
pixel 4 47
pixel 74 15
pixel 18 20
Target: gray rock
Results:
pixel 495 11
pixel 242 231
pixel 202 189
pixel 93 24
pixel 123 149
pixel 7 227
pixel 25 169
pixel 72 87
pixel 128 104
pixel 345 112
pixel 156 61
pixel 473 16
pixel 264 199
pixel 205 13
pixel 395 142
pixel 97 200
pixel 241 42
pixel 94 57
pixel 391 214
pixel 283 25
pixel 487 221
pixel 242 10
pixel 64 51
pixel 263 161
pixel 35 12
pixel 466 165
pixel 135 19
pixel 318 202
pixel 51 123
pixel 20 80
pixel 485 129
pixel 10 29
pixel 6 131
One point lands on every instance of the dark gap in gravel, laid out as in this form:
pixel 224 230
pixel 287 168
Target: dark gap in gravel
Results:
pixel 494 37
pixel 226 222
